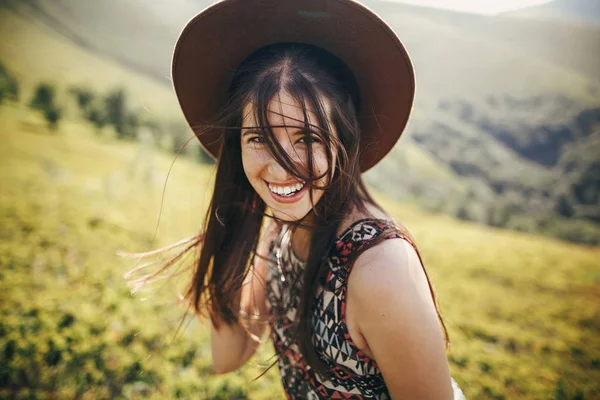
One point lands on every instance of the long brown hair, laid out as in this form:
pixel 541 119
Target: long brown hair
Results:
pixel 314 78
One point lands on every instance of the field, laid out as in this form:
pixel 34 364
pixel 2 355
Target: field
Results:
pixel 522 311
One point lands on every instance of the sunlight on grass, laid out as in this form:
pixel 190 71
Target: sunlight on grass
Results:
pixel 522 311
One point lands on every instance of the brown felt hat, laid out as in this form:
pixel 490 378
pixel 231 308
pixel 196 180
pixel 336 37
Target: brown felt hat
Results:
pixel 218 39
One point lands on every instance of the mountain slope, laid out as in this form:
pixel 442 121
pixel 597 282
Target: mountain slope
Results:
pixel 500 100
pixel 38 51
pixel 503 53
pixel 122 30
pixel 586 11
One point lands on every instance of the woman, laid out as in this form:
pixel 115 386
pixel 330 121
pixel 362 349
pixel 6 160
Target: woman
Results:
pixel 295 99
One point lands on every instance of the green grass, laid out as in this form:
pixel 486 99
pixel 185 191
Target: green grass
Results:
pixel 69 327
pixel 522 311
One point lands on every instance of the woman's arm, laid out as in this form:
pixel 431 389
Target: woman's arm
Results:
pixel 395 314
pixel 233 345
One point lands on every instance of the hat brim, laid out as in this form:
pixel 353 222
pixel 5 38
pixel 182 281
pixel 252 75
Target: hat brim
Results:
pixel 218 39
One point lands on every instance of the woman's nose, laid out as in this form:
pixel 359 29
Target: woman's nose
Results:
pixel 277 171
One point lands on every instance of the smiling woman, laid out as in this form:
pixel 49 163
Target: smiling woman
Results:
pixel 293 241
pixel 289 197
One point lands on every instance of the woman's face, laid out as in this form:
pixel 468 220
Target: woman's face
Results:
pixel 284 194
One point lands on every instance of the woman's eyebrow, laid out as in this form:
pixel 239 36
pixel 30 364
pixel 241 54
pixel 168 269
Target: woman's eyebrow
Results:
pixel 300 130
pixel 249 131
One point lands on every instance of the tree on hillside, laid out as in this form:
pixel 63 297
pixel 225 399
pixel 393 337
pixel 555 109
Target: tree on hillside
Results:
pixel 53 115
pixel 44 97
pixel 9 86
pixel 126 123
pixel 114 104
pixel 96 116
pixel 92 107
pixel 84 97
pixel 564 206
pixel 44 100
pixel 498 214
pixel 131 126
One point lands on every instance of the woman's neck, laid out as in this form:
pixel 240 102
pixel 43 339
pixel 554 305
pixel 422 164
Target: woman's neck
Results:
pixel 301 238
pixel 302 234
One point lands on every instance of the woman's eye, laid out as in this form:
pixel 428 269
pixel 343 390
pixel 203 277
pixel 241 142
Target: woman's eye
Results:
pixel 309 139
pixel 256 140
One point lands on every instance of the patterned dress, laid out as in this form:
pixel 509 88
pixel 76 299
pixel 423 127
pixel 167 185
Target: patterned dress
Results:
pixel 353 374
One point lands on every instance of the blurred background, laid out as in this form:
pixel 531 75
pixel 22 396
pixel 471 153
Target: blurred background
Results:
pixel 497 177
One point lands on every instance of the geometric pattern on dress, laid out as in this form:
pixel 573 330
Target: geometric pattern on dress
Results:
pixel 353 374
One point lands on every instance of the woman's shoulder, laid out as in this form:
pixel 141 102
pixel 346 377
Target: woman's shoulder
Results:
pixel 387 257
pixel 391 262
pixel 371 213
pixel 372 217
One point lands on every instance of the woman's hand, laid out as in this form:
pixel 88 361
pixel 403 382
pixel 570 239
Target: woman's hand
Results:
pixel 233 345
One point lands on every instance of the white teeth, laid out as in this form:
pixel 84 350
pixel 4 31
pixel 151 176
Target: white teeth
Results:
pixel 286 190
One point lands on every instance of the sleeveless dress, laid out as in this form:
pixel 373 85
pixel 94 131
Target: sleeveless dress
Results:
pixel 353 374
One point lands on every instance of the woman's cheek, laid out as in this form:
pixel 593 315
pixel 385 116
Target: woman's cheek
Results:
pixel 321 164
pixel 249 165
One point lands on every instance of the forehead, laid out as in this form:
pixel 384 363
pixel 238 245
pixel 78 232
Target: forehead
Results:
pixel 283 110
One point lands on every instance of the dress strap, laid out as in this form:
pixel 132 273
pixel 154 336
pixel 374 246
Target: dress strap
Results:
pixel 363 234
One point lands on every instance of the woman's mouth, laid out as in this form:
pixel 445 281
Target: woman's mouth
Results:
pixel 287 193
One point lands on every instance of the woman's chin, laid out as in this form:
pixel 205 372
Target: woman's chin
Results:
pixel 289 216
pixel 292 211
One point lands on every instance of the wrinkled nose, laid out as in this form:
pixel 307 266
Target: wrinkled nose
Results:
pixel 278 172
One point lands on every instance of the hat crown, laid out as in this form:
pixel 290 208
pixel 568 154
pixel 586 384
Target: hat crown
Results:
pixel 215 42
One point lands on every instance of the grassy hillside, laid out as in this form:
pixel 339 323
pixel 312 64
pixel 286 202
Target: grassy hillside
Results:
pixel 69 327
pixel 101 26
pixel 522 311
pixel 500 100
pixel 35 52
